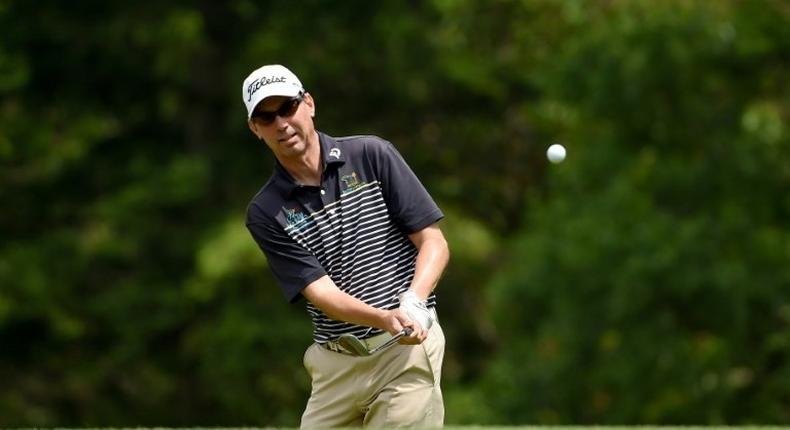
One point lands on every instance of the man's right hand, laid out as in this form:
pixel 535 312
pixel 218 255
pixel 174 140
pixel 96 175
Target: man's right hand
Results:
pixel 396 320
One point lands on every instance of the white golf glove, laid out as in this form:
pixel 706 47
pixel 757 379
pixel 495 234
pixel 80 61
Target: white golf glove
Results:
pixel 416 309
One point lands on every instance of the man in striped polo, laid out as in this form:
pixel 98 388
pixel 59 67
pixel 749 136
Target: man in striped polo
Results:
pixel 345 224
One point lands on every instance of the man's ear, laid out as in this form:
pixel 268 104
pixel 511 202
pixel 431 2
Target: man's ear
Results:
pixel 253 128
pixel 309 101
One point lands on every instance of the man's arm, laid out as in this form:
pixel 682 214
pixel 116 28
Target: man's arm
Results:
pixel 432 258
pixel 324 294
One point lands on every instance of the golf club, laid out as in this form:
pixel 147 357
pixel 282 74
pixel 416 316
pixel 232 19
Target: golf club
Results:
pixel 358 347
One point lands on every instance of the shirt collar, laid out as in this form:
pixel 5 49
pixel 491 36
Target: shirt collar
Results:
pixel 331 154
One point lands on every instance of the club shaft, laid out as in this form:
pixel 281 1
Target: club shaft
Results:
pixel 404 332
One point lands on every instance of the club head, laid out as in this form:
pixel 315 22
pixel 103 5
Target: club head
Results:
pixel 353 345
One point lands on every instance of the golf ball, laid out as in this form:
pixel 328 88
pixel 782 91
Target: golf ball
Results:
pixel 556 153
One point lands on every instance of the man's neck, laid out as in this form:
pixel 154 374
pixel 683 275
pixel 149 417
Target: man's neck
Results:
pixel 306 168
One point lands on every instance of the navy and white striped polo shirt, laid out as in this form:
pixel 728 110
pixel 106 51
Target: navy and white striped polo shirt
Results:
pixel 353 227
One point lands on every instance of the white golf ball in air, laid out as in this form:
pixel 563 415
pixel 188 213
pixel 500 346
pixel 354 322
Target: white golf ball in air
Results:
pixel 556 153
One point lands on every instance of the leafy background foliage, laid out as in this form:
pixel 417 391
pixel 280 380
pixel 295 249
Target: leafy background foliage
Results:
pixel 643 281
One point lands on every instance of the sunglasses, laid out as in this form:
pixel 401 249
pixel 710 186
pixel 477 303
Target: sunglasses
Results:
pixel 286 110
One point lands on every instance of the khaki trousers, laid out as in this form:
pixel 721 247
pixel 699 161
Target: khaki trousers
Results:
pixel 396 387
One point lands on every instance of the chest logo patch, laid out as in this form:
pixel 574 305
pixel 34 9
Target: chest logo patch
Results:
pixel 334 152
pixel 349 183
pixel 293 216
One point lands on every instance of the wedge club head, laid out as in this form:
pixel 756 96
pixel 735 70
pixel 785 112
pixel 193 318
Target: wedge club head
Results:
pixel 358 347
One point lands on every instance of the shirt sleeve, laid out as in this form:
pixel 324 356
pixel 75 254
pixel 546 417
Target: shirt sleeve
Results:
pixel 408 202
pixel 293 266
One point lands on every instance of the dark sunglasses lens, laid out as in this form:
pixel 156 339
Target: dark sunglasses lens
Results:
pixel 287 109
pixel 265 117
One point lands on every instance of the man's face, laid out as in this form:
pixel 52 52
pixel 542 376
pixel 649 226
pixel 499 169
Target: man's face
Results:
pixel 285 124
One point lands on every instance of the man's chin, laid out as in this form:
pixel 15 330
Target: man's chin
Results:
pixel 293 148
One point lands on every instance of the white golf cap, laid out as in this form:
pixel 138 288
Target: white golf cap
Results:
pixel 267 81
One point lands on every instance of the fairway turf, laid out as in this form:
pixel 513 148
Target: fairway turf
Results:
pixel 751 427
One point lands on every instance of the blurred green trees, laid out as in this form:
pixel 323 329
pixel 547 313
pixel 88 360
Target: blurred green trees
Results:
pixel 643 281
pixel 649 282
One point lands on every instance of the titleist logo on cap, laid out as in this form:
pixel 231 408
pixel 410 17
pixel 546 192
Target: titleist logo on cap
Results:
pixel 262 82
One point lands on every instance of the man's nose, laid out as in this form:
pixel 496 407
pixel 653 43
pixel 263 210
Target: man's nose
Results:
pixel 280 122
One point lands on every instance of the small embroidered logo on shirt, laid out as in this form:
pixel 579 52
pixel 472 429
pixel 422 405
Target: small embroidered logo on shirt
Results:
pixel 293 216
pixel 350 183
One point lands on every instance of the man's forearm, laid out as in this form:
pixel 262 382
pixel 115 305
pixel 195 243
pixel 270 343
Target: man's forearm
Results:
pixel 340 306
pixel 432 258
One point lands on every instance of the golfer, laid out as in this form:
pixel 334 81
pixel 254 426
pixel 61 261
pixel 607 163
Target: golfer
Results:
pixel 345 224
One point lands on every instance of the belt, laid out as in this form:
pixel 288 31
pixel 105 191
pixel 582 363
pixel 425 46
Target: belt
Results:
pixel 371 342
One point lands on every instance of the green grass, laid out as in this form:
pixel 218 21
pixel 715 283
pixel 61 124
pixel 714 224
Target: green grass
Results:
pixel 750 427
